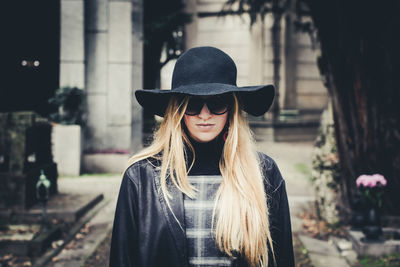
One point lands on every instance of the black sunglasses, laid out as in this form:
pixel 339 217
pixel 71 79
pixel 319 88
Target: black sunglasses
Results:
pixel 217 105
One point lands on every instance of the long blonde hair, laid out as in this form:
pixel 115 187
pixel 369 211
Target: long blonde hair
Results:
pixel 240 216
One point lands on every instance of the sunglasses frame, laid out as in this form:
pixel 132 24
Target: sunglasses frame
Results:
pixel 226 99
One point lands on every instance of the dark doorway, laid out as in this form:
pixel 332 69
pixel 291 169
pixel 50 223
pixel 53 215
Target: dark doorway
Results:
pixel 30 53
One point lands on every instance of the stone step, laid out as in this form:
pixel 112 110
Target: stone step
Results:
pixel 99 227
pixel 98 230
pixel 322 253
pixel 27 240
pixel 67 208
pixel 64 208
pixel 285 131
pixel 378 247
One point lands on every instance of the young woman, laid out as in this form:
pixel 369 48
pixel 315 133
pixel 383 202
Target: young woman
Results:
pixel 200 194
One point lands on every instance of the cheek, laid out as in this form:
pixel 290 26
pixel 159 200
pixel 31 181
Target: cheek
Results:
pixel 222 121
pixel 187 120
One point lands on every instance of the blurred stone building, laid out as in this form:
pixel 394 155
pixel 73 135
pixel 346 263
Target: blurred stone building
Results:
pixel 101 52
pixel 298 80
pixel 97 45
pixel 94 45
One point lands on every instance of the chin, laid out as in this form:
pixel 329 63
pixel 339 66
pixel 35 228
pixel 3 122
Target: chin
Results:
pixel 205 138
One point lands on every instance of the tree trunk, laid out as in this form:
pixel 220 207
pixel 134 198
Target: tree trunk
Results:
pixel 361 63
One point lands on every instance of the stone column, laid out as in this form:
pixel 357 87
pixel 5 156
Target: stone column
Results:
pixel 108 74
pixel 72 74
pixel 289 94
pixel 96 73
pixel 119 97
pixel 113 68
pixel 191 29
pixel 72 56
pixel 281 61
pixel 256 53
pixel 268 59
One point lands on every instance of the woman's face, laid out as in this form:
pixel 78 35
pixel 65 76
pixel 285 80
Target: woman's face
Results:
pixel 205 126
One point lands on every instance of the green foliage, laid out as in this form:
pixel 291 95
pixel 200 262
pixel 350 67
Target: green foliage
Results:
pixel 304 250
pixel 325 158
pixel 301 252
pixel 373 196
pixel 391 260
pixel 67 105
pixel 325 169
pixel 303 168
pixel 334 227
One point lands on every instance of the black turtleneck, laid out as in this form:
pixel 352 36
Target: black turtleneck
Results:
pixel 207 156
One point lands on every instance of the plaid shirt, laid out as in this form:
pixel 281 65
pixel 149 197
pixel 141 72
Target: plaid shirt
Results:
pixel 202 249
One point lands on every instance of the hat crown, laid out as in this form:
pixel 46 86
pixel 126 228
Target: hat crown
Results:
pixel 204 65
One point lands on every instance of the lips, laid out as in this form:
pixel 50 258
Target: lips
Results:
pixel 205 126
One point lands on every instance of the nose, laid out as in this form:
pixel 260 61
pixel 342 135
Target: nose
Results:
pixel 205 113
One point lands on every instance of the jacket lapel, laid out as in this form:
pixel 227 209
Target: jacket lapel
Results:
pixel 176 218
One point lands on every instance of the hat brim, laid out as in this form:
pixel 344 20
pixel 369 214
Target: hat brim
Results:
pixel 256 100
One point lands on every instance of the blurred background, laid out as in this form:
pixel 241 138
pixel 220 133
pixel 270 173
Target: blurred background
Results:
pixel 69 120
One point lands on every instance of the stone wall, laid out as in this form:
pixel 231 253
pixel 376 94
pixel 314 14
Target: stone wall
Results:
pixel 72 56
pixel 311 93
pixel 101 52
pixel 108 32
pixel 299 81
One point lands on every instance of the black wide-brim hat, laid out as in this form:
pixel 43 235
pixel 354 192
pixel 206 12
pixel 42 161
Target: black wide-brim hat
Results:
pixel 206 71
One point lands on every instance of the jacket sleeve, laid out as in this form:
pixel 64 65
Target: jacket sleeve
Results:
pixel 284 251
pixel 124 243
pixel 282 238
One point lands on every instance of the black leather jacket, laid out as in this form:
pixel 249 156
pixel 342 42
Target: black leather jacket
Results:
pixel 146 234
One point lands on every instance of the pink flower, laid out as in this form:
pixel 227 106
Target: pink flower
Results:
pixel 371 180
pixel 379 178
pixel 372 183
pixel 360 180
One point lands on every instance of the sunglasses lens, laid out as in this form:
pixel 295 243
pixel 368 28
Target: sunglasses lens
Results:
pixel 217 105
pixel 194 106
